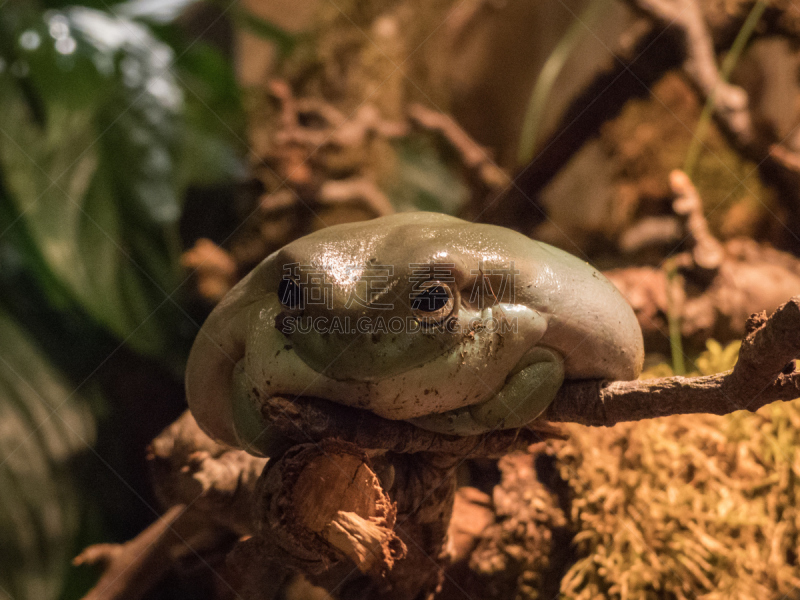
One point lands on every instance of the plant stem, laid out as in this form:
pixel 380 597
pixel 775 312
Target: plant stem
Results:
pixel 674 320
pixel 531 125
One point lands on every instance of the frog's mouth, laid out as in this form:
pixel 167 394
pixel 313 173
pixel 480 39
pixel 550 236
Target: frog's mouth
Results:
pixel 473 365
pixel 368 348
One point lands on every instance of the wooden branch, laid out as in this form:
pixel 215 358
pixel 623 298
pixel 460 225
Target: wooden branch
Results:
pixel 131 569
pixel 307 419
pixel 765 373
pixel 700 65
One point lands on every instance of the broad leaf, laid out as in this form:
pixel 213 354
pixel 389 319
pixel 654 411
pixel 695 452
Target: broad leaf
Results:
pixel 43 427
pixel 425 178
pixel 91 175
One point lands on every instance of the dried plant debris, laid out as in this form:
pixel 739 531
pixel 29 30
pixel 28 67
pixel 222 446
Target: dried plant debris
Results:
pixel 319 166
pixel 513 554
pixel 684 506
pixel 716 287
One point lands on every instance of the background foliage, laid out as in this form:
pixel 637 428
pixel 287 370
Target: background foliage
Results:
pixel 109 115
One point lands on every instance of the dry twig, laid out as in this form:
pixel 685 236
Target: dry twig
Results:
pixel 723 283
pixel 131 569
pixel 700 66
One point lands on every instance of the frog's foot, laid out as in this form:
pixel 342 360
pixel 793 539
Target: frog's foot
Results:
pixel 253 433
pixel 528 391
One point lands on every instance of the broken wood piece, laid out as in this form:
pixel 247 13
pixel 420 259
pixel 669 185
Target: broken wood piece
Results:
pixel 365 541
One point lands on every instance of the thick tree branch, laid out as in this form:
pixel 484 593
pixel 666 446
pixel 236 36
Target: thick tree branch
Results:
pixel 131 569
pixel 306 419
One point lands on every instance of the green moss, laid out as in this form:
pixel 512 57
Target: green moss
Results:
pixel 686 506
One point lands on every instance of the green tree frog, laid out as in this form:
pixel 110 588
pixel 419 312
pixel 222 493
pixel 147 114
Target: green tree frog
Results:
pixel 459 328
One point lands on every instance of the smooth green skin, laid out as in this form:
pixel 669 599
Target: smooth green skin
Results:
pixel 571 322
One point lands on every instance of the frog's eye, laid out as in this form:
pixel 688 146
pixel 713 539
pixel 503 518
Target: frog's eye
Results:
pixel 434 303
pixel 289 294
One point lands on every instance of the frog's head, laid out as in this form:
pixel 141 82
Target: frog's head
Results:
pixel 356 303
pixel 391 315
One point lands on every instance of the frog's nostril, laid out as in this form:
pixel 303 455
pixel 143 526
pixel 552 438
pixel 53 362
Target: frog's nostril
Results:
pixel 290 294
pixel 284 323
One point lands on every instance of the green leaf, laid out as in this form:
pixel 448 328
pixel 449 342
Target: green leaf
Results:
pixel 213 138
pixel 425 178
pixel 94 185
pixel 43 427
pixel 267 30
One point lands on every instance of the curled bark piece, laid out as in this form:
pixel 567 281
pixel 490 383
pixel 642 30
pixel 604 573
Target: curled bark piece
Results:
pixel 760 377
pixel 322 502
pixel 366 542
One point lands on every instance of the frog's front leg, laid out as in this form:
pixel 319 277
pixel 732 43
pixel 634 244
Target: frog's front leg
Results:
pixel 525 396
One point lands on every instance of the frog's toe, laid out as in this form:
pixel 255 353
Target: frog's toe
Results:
pixel 458 421
pixel 252 432
pixel 526 394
